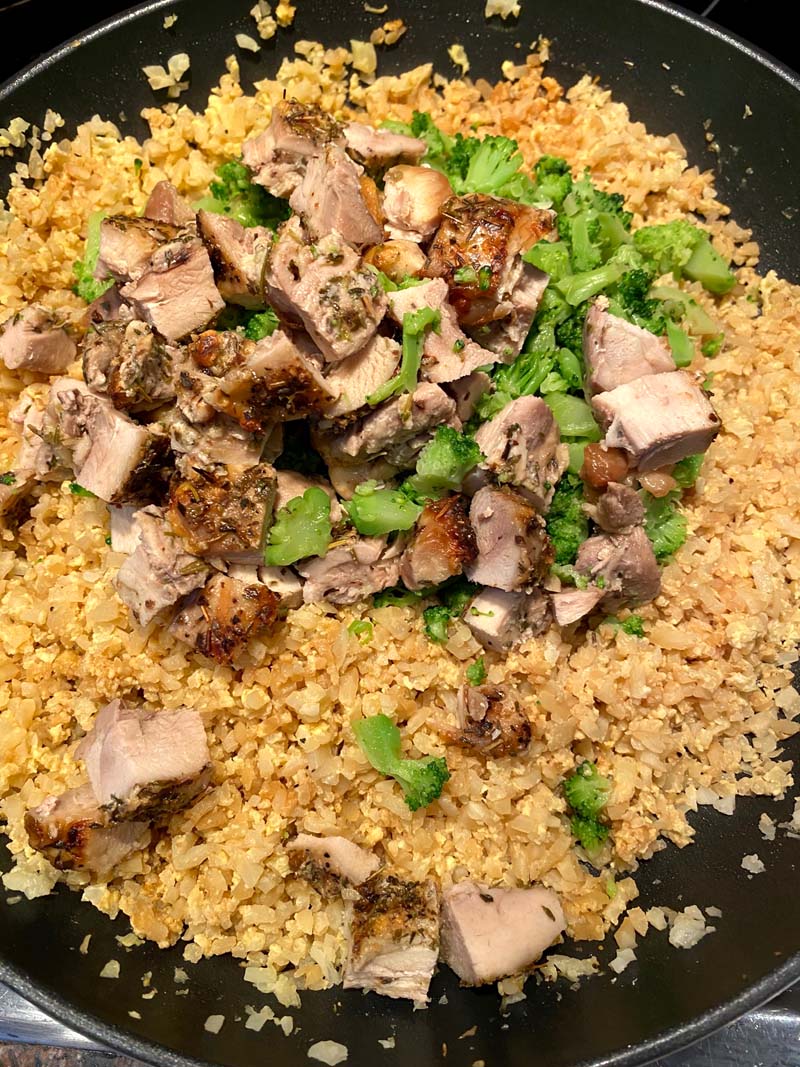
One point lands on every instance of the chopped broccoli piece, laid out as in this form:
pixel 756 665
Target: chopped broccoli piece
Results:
pixel 553 180
pixel 443 463
pixel 681 345
pixel 587 791
pixel 137 165
pixel 523 377
pixel 567 575
pixel 633 625
pixel 415 323
pixel 576 288
pixel 389 285
pixel 397 597
pixel 664 524
pixel 711 346
pixel 437 622
pixel 631 297
pixel 78 490
pixel 611 887
pixel 567 524
pixel 439 144
pixel 362 629
pixel 550 256
pixel 685 472
pixel 456 594
pixel 86 286
pixel 476 672
pixel 577 451
pixel 669 246
pixel 569 334
pixel 235 195
pixel 375 511
pixel 494 167
pixel 591 834
pixel 301 529
pixel 585 240
pixel 9 478
pixel 422 780
pixel 574 416
pixel 260 325
pixel 706 265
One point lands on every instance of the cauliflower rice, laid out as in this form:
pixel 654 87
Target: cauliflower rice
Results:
pixel 696 712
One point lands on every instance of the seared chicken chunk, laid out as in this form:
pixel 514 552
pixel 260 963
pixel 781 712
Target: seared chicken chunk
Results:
pixel 34 339
pixel 159 572
pixel 351 571
pixel 397 259
pixel 237 256
pixel 448 354
pixel 657 420
pixel 145 763
pixel 513 548
pixel 325 288
pixel 476 250
pixel 500 620
pixel 443 544
pixel 175 292
pixel 277 158
pixel 616 351
pixel 358 376
pixel 467 392
pixel 224 513
pixel 75 833
pixel 129 364
pixel 394 938
pixel 492 723
pixel 619 508
pixel 522 446
pixel 378 149
pixel 165 204
pixel 412 201
pixel 624 565
pixel 331 199
pixel 506 336
pixel 220 619
pixel 127 244
pixel 221 440
pixel 328 861
pixel 489 933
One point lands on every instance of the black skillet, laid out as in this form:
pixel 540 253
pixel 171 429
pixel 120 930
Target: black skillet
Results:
pixel 668 998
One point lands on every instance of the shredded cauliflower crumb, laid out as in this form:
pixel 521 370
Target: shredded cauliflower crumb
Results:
pixel 328 1052
pixel 376 10
pixel 688 927
pixel 753 865
pixel 364 58
pixel 284 13
pixel 623 958
pixel 244 40
pixel 266 25
pixel 389 33
pixel 386 1042
pixel 111 969
pixel 170 21
pixel 169 79
pixel 767 827
pixel 214 1023
pixel 503 8
pixel 458 55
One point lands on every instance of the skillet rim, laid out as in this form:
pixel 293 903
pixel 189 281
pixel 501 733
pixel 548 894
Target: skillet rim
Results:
pixel 662 1044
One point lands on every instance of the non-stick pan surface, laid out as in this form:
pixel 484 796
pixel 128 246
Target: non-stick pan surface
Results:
pixel 676 74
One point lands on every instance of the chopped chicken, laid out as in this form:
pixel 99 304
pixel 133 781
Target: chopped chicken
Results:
pixel 224 514
pixel 500 620
pixel 393 938
pixel 129 364
pixel 448 354
pixel 112 457
pixel 624 565
pixel 282 581
pixel 220 440
pixel 396 430
pixel 477 252
pixel 159 572
pixel 378 149
pixel 351 571
pixel 397 259
pixel 125 530
pixel 573 604
pixel 619 508
pixel 443 544
pixel 237 256
pixel 35 340
pixel 657 420
pixel 358 376
pixel 616 351
pixel 513 548
pixel 165 204
pixel 219 620
pixel 109 306
pixel 492 723
pixel 42 452
pixel 327 861
pixel 507 336
pixel 145 763
pixel 522 446
pixel 277 158
pixel 488 933
pixel 331 199
pixel 127 244
pixel 467 391
pixel 75 833
pixel 412 201
pixel 175 292
pixel 325 288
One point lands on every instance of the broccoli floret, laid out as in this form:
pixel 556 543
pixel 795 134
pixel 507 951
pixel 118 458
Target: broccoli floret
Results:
pixel 476 672
pixel 687 251
pixel 710 347
pixel 301 529
pixel 587 791
pixel 567 524
pixel 681 345
pixel 686 471
pixel 553 180
pixel 612 204
pixel 524 376
pixel 261 324
pixel 439 144
pixel 415 323
pixel 9 478
pixel 235 195
pixel 78 490
pixel 375 511
pixel 456 594
pixel 569 333
pixel 633 625
pixel 443 463
pixel 437 622
pixel 86 286
pixel 585 241
pixel 567 575
pixel 422 780
pixel 664 524
pixel 550 256
pixel 494 168
pixel 577 288
pixel 631 295
pixel 591 834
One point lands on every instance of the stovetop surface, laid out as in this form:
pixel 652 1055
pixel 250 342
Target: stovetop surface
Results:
pixel 768 1037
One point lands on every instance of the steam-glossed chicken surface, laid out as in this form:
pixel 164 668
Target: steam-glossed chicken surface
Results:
pixel 491 933
pixel 501 619
pixel 412 202
pixel 393 938
pixel 34 339
pixel 221 618
pixel 616 351
pixel 513 549
pixel 237 257
pixel 381 148
pixel 278 157
pixel 444 543
pixel 351 571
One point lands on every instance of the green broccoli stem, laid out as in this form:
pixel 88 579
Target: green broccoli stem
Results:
pixel 579 287
pixel 706 265
pixel 415 325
